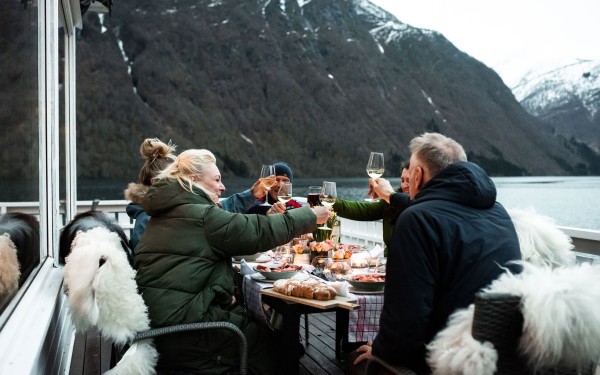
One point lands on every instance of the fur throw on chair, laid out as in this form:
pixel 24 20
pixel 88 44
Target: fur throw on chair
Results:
pixel 102 292
pixel 541 242
pixel 561 325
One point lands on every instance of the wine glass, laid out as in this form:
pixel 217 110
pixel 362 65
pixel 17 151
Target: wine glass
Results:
pixel 285 192
pixel 327 197
pixel 267 175
pixel 375 167
pixel 312 198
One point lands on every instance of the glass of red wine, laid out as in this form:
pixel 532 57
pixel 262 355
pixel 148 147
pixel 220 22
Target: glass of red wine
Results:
pixel 313 196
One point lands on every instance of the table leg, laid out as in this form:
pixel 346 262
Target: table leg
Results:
pixel 291 328
pixel 306 328
pixel 290 313
pixel 342 319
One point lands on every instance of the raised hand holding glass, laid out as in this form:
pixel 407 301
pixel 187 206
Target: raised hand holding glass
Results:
pixel 328 196
pixel 267 175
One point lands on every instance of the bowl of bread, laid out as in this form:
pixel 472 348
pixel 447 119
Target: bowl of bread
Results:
pixel 369 282
pixel 276 272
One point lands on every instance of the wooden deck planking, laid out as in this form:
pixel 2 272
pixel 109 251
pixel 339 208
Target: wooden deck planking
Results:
pixel 320 351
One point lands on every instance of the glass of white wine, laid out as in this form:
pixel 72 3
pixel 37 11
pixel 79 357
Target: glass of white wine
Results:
pixel 267 175
pixel 285 192
pixel 327 197
pixel 375 166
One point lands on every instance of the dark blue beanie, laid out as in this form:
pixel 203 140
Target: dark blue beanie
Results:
pixel 283 169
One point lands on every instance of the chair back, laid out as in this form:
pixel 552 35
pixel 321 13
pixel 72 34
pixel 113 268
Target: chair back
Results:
pixel 102 293
pixel 498 319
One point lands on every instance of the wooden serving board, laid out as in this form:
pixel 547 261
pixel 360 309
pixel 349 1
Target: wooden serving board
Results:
pixel 342 302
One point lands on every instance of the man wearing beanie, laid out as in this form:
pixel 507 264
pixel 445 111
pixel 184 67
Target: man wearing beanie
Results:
pixel 283 173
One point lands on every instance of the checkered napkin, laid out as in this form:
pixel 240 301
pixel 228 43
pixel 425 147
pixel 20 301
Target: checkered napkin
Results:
pixel 364 322
pixel 253 299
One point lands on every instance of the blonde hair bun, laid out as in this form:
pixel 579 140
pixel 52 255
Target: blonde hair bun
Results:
pixel 153 148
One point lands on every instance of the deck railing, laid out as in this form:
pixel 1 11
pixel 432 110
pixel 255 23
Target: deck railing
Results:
pixel 368 233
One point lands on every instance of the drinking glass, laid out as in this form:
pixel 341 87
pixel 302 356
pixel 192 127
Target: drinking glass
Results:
pixel 373 265
pixel 313 196
pixel 267 174
pixel 375 166
pixel 327 197
pixel 285 192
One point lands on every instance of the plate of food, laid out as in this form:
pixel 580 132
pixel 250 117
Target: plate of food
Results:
pixel 276 272
pixel 369 282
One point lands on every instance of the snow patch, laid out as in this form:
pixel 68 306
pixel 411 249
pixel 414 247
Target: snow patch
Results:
pixel 103 29
pixel 302 3
pixel 246 139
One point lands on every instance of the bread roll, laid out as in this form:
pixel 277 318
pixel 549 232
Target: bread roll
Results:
pixel 311 288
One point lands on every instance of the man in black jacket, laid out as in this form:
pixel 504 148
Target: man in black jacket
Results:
pixel 452 240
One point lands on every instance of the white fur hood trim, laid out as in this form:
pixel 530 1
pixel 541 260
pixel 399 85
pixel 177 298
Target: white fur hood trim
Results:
pixel 561 322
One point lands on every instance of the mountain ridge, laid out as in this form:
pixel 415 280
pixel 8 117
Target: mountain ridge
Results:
pixel 319 85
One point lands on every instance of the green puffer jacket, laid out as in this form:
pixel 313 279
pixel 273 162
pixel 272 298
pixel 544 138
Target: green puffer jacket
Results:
pixel 183 260
pixel 369 211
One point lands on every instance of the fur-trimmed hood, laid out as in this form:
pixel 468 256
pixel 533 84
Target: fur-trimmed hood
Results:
pixel 135 192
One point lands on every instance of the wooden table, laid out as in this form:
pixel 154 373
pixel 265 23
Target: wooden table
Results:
pixel 291 308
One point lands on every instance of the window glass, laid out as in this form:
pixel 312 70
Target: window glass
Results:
pixel 19 146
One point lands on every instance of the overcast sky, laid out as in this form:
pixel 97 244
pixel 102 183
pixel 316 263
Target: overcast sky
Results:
pixel 509 35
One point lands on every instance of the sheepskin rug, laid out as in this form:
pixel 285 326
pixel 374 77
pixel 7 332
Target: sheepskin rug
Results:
pixel 542 243
pixel 102 293
pixel 560 309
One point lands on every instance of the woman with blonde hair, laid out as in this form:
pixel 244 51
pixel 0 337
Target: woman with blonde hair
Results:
pixel 184 269
pixel 157 156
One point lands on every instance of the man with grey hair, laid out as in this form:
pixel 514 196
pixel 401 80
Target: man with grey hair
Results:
pixel 453 240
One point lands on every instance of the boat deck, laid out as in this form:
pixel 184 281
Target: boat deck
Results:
pixel 320 351
pixel 93 355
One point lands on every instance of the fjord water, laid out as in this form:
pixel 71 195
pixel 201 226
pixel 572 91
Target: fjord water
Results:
pixel 570 201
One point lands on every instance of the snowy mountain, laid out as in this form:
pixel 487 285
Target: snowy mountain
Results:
pixel 317 83
pixel 566 97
